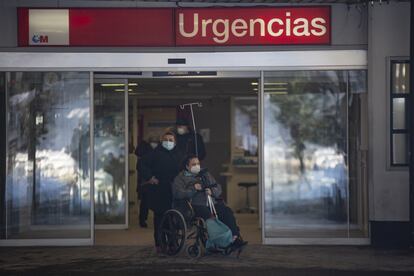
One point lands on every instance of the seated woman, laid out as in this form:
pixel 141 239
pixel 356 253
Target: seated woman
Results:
pixel 188 185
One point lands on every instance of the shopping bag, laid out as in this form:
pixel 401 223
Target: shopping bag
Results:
pixel 219 234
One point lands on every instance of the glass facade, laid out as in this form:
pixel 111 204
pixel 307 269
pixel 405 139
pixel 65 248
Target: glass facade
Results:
pixel 2 154
pixel 47 191
pixel 245 144
pixel 307 153
pixel 314 183
pixel 110 152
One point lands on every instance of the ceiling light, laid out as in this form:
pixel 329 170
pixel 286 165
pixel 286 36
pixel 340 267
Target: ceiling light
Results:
pixel 254 83
pixel 276 83
pixel 112 84
pixel 122 90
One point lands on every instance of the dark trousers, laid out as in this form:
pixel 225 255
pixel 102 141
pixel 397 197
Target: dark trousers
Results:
pixel 224 213
pixel 157 222
pixel 143 208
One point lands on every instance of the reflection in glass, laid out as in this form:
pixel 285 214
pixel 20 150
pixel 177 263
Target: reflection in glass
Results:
pixel 2 154
pixel 400 77
pixel 398 113
pixel 245 131
pixel 306 151
pixel 48 179
pixel 110 184
pixel 400 148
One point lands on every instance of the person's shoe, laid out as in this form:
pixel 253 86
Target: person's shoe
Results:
pixel 239 242
pixel 143 224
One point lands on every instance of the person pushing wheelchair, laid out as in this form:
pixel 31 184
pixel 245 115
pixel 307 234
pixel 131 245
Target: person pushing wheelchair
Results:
pixel 194 185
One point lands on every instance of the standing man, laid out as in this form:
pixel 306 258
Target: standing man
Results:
pixel 159 170
pixel 186 139
pixel 144 148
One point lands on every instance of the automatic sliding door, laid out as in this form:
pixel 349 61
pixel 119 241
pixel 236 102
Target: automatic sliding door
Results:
pixel 306 166
pixel 47 191
pixel 110 152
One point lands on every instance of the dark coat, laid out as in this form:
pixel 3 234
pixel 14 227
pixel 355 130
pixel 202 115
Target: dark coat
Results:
pixel 143 149
pixel 186 144
pixel 183 188
pixel 164 165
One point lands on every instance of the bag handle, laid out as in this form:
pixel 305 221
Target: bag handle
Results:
pixel 211 205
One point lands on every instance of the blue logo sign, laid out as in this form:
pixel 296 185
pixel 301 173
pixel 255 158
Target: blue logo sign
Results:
pixel 36 39
pixel 40 39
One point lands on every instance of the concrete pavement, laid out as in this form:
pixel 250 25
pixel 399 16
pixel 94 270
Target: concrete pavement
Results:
pixel 268 260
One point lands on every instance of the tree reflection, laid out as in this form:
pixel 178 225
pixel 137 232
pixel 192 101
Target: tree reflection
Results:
pixel 305 148
pixel 48 149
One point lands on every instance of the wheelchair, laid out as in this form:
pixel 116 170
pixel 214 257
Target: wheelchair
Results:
pixel 180 228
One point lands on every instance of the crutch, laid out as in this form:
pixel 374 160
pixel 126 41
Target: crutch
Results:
pixel 199 104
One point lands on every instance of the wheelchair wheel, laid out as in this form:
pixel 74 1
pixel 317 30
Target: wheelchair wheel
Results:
pixel 193 251
pixel 172 233
pixel 202 228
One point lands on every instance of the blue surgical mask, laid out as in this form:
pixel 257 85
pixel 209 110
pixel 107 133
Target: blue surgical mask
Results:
pixel 168 145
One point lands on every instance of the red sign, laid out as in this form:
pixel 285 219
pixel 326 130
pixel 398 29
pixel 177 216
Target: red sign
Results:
pixel 252 26
pixel 121 27
pixel 175 27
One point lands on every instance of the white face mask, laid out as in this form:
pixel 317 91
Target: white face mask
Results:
pixel 153 145
pixel 168 145
pixel 181 130
pixel 195 169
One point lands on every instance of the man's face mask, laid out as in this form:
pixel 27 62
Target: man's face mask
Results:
pixel 169 145
pixel 181 130
pixel 153 145
pixel 195 169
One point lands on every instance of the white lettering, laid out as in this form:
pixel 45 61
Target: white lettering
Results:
pixel 262 26
pixel 287 24
pixel 270 27
pixel 320 27
pixel 204 24
pixel 235 27
pixel 221 30
pixel 304 27
pixel 181 25
pixel 224 34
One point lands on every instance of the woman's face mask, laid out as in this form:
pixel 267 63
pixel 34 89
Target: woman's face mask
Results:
pixel 168 142
pixel 153 145
pixel 169 145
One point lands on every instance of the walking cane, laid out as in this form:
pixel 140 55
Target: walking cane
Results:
pixel 199 104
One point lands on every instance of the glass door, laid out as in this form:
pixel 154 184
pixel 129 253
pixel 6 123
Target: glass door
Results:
pixel 312 189
pixel 46 196
pixel 110 156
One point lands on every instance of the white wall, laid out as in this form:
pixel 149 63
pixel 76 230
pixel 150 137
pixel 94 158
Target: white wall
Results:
pixel 388 36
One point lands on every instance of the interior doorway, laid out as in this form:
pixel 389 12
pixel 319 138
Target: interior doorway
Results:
pixel 226 118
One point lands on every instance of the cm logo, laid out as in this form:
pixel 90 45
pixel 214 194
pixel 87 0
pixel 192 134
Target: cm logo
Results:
pixel 40 39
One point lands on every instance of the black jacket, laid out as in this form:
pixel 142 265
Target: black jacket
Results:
pixel 186 144
pixel 143 149
pixel 164 165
